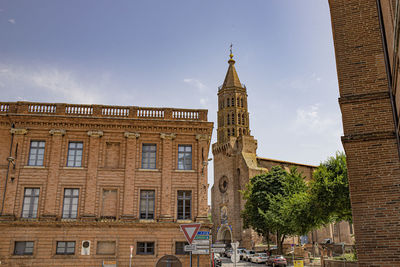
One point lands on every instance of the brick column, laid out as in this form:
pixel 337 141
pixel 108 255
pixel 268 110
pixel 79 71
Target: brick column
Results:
pixel 91 177
pixel 166 177
pixel 12 181
pixel 202 183
pixel 129 205
pixel 50 211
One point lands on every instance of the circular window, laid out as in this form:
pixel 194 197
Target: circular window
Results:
pixel 223 184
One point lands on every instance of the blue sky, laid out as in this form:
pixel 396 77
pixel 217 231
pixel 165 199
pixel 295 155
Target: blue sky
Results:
pixel 174 54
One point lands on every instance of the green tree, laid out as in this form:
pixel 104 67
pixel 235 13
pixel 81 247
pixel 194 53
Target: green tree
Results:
pixel 329 191
pixel 273 202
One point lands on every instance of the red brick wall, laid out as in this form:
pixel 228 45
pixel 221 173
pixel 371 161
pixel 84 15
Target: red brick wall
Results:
pixel 369 139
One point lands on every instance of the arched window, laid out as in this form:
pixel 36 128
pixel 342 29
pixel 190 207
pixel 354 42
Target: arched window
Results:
pixel 233 118
pixel 227 102
pixel 241 102
pixel 238 101
pixel 233 101
pixel 229 121
pixel 233 132
pixel 243 121
pixel 229 132
pixel 238 119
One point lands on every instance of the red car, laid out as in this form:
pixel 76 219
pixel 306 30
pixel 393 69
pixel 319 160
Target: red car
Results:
pixel 276 261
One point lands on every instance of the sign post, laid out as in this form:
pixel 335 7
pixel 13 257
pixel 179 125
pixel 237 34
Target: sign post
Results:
pixel 234 258
pixel 190 231
pixel 130 257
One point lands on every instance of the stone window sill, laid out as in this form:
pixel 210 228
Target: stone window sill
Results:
pixel 34 167
pixel 184 170
pixel 73 168
pixel 149 170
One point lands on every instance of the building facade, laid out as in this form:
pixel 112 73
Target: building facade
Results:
pixel 366 40
pixel 236 161
pixel 84 185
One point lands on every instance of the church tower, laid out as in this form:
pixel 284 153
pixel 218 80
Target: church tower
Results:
pixel 233 116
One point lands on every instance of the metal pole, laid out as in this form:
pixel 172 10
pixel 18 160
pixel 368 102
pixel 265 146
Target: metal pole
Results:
pixel 198 260
pixel 190 259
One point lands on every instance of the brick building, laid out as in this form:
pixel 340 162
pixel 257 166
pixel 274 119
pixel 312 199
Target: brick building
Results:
pixel 236 161
pixel 80 184
pixel 366 39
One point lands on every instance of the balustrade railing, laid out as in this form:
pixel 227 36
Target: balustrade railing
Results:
pixel 103 111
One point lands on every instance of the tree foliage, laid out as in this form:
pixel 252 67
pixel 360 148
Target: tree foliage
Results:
pixel 329 190
pixel 282 203
pixel 272 202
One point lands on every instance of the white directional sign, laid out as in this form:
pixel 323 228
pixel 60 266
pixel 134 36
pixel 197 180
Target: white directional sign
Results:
pixel 201 242
pixel 218 245
pixel 218 250
pixel 190 247
pixel 201 251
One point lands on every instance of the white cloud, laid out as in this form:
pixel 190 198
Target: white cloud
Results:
pixel 50 84
pixel 309 120
pixel 196 83
pixel 12 21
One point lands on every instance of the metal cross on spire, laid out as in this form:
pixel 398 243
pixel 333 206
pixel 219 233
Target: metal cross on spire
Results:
pixel 231 55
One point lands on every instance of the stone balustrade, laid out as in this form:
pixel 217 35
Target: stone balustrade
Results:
pixel 103 111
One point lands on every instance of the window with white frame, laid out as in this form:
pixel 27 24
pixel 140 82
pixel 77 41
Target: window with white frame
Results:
pixel 36 153
pixel 70 206
pixel 147 204
pixel 184 157
pixel 75 151
pixel 30 204
pixel 149 156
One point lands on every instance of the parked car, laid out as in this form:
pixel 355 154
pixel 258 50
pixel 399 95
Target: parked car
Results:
pixel 259 258
pixel 247 254
pixel 217 260
pixel 278 260
pixel 229 252
pixel 240 252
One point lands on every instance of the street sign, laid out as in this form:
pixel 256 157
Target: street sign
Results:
pixel 190 247
pixel 218 250
pixel 201 242
pixel 202 237
pixel 218 245
pixel 201 251
pixel 190 230
pixel 203 233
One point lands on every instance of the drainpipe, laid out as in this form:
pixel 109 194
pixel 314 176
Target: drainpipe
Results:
pixel 8 171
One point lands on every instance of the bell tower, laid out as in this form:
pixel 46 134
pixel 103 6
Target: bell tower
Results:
pixel 233 116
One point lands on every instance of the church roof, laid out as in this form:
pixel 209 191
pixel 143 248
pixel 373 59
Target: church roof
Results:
pixel 231 78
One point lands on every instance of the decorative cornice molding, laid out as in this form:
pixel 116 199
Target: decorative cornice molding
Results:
pixel 170 136
pixel 95 133
pixel 57 132
pixel 203 137
pixel 18 131
pixel 131 135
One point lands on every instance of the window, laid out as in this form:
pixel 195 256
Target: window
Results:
pixel 243 119
pixel 70 208
pixel 184 205
pixel 36 153
pixel 241 102
pixel 180 248
pixel 145 248
pixel 65 248
pixel 30 204
pixel 233 101
pixel 75 150
pixel 147 204
pixel 184 157
pixel 233 132
pixel 238 120
pixel 233 118
pixel 227 102
pixel 23 248
pixel 229 133
pixel 229 121
pixel 106 247
pixel 149 156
